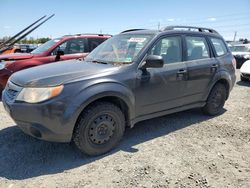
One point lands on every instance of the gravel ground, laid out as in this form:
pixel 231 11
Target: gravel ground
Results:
pixel 186 149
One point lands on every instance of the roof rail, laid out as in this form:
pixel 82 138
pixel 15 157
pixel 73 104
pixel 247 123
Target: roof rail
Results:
pixel 132 30
pixel 199 29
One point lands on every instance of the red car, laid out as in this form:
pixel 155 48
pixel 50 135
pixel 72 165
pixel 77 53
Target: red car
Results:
pixel 64 48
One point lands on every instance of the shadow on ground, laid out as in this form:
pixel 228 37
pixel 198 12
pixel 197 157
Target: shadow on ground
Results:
pixel 245 83
pixel 23 157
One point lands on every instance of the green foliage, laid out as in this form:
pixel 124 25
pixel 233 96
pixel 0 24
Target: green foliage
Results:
pixel 30 40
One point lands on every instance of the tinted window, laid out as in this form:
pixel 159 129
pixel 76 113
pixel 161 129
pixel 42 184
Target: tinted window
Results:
pixel 197 48
pixel 94 42
pixel 71 47
pixel 169 48
pixel 219 46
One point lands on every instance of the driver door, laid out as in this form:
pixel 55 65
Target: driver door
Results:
pixel 73 49
pixel 159 89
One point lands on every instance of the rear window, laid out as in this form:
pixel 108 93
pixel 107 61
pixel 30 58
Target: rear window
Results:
pixel 197 48
pixel 219 46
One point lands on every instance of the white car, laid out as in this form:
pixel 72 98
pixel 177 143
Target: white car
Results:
pixel 245 71
pixel 241 52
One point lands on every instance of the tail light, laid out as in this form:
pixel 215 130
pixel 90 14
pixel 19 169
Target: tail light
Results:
pixel 234 63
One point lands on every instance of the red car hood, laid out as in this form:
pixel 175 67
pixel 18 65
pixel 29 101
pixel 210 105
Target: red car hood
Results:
pixel 16 56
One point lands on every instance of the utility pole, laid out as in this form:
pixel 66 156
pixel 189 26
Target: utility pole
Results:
pixel 100 31
pixel 235 33
pixel 159 25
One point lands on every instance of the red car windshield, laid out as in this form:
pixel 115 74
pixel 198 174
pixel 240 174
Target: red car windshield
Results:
pixel 44 47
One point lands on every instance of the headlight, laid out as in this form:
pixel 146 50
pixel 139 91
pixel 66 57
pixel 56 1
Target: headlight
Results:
pixel 4 64
pixel 35 95
pixel 247 56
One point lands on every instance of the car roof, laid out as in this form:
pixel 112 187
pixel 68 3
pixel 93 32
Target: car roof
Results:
pixel 86 35
pixel 175 30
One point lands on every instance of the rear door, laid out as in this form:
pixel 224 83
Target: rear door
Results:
pixel 201 66
pixel 94 42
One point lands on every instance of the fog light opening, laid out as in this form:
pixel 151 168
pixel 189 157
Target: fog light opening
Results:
pixel 35 132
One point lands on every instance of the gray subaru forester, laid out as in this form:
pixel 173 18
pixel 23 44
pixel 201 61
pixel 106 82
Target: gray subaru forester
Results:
pixel 133 76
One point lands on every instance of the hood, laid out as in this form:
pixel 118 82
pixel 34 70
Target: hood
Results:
pixel 16 56
pixel 59 73
pixel 240 53
pixel 245 68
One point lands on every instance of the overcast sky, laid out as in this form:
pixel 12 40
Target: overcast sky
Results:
pixel 113 16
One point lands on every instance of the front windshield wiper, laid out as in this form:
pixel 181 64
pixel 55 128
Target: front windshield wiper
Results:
pixel 96 61
pixel 107 62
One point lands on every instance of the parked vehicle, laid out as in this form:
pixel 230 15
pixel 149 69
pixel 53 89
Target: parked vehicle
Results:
pixel 241 53
pixel 133 76
pixel 245 71
pixel 59 49
pixel 23 48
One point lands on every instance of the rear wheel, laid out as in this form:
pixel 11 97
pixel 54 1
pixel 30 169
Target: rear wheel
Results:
pixel 99 128
pixel 215 100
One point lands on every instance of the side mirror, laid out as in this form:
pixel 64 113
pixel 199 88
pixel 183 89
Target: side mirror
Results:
pixel 58 54
pixel 153 61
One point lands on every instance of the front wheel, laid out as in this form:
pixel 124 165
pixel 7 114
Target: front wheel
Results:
pixel 215 100
pixel 99 128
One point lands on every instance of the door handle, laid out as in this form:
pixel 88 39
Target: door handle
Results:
pixel 181 74
pixel 182 71
pixel 214 68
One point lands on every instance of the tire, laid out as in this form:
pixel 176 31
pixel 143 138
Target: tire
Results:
pixel 243 79
pixel 215 100
pixel 99 128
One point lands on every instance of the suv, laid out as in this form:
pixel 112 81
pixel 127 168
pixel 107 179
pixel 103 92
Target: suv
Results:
pixel 133 76
pixel 64 48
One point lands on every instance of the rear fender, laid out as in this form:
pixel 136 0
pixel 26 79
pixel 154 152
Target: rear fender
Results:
pixel 219 76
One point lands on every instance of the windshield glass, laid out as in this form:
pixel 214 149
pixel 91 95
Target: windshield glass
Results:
pixel 240 48
pixel 119 49
pixel 44 47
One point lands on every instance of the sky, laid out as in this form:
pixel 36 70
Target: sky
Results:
pixel 114 16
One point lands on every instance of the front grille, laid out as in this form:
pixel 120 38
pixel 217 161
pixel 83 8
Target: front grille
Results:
pixel 11 91
pixel 246 75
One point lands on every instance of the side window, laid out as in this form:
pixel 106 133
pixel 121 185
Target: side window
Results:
pixel 169 48
pixel 60 47
pixel 94 42
pixel 197 48
pixel 75 46
pixel 71 47
pixel 219 46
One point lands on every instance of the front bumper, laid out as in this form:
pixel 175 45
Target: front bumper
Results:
pixel 52 120
pixel 245 75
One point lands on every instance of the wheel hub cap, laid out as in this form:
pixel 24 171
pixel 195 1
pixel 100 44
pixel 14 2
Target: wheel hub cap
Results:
pixel 101 129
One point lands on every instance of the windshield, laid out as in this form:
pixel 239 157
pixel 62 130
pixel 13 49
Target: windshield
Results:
pixel 240 48
pixel 119 49
pixel 44 47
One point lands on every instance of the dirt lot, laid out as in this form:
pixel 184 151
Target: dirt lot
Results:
pixel 186 149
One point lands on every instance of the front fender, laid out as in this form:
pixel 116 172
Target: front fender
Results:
pixel 97 91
